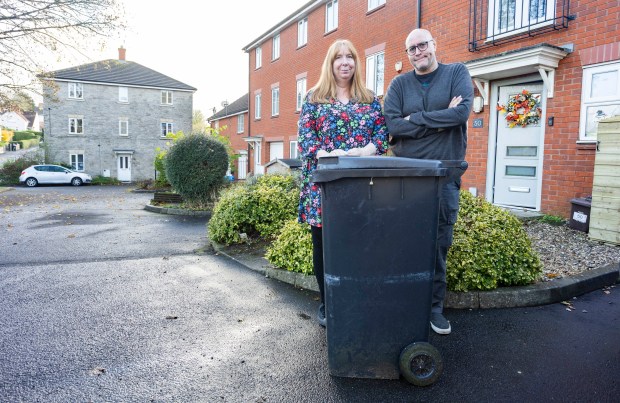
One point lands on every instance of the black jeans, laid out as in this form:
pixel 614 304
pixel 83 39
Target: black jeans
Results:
pixel 317 258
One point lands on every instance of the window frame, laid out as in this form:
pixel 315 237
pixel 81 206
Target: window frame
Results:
pixel 240 123
pixel 257 106
pixel 168 128
pixel 167 97
pixel 275 101
pixel 331 16
pixel 372 73
pixel 124 121
pixel 588 101
pixel 373 4
pixel 123 95
pixel 300 93
pixel 75 162
pixel 302 32
pixel 79 125
pixel 258 53
pixel 75 91
pixel 293 152
pixel 494 30
pixel 275 47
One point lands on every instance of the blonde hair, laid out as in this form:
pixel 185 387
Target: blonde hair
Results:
pixel 325 89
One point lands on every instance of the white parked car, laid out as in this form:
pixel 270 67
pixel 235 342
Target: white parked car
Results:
pixel 44 174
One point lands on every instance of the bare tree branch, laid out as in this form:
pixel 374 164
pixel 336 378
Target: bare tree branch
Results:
pixel 31 30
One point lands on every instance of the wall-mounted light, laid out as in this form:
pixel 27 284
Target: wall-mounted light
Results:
pixel 478 104
pixel 398 66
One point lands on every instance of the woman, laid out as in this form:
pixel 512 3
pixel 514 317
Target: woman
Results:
pixel 341 117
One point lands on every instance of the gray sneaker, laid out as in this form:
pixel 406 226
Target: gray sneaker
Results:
pixel 440 324
pixel 321 315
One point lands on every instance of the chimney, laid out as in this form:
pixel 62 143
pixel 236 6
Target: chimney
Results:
pixel 121 53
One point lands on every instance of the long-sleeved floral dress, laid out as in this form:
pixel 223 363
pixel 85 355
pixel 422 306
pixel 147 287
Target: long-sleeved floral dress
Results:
pixel 331 126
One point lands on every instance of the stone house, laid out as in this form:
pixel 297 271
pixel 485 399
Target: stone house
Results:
pixel 566 54
pixel 107 118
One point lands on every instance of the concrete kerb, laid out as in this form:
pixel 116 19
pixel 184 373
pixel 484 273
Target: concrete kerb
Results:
pixel 542 293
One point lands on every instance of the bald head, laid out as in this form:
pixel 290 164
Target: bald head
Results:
pixel 418 35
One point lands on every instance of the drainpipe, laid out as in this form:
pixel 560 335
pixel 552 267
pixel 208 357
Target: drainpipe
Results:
pixel 419 16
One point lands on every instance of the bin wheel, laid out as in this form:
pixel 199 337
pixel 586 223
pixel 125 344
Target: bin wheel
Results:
pixel 420 364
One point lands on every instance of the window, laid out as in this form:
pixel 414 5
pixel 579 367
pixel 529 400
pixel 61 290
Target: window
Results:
pixel 259 57
pixel 275 101
pixel 293 152
pixel 375 72
pixel 76 91
pixel 331 16
pixel 372 4
pixel 166 127
pixel 123 127
pixel 510 17
pixel 240 123
pixel 123 94
pixel 257 106
pixel 275 51
pixel 77 162
pixel 76 126
pixel 302 32
pixel 301 93
pixel 600 97
pixel 166 97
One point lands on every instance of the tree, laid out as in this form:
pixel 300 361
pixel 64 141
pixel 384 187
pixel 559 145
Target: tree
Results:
pixel 199 123
pixel 23 102
pixel 32 31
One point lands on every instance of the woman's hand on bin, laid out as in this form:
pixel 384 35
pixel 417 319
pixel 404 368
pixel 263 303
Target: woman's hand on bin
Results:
pixel 369 149
pixel 335 153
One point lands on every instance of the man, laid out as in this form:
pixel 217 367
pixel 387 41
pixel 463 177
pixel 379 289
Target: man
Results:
pixel 426 111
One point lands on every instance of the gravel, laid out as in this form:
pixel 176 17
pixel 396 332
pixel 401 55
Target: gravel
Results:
pixel 564 251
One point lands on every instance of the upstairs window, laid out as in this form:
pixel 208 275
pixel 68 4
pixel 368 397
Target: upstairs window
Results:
pixel 123 127
pixel 240 123
pixel 375 70
pixel 257 98
pixel 76 125
pixel 123 94
pixel 76 91
pixel 302 32
pixel 600 97
pixel 166 97
pixel 508 17
pixel 259 57
pixel 331 16
pixel 301 93
pixel 372 4
pixel 275 101
pixel 275 51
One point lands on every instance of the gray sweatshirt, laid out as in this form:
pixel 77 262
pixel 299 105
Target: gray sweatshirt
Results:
pixel 433 130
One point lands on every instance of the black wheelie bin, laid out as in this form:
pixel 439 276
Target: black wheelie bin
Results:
pixel 380 218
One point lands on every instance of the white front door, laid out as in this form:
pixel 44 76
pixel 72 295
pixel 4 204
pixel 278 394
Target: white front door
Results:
pixel 519 152
pixel 123 167
pixel 242 165
pixel 258 168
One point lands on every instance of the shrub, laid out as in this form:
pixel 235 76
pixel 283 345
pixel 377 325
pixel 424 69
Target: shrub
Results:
pixel 26 135
pixel 292 250
pixel 490 249
pixel 103 180
pixel 195 167
pixel 10 171
pixel 257 208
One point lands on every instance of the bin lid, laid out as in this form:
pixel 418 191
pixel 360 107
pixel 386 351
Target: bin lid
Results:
pixel 333 168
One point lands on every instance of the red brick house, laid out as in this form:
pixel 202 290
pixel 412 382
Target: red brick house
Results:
pixel 566 53
pixel 231 122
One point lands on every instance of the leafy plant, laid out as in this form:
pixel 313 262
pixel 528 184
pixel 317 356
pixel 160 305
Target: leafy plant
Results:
pixel 552 219
pixel 292 249
pixel 256 208
pixel 490 249
pixel 102 180
pixel 195 167
pixel 11 170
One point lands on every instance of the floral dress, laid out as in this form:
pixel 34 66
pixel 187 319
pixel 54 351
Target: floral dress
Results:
pixel 331 126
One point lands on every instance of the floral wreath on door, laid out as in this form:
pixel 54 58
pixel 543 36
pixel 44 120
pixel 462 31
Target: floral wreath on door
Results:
pixel 522 109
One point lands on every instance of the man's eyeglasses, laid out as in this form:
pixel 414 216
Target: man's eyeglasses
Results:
pixel 422 46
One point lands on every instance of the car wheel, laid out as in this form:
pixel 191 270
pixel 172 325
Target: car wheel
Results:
pixel 76 182
pixel 31 182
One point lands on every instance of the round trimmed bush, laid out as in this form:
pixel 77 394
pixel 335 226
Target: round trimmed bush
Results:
pixel 195 167
pixel 491 249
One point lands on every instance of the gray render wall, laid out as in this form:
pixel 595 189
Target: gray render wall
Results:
pixel 101 112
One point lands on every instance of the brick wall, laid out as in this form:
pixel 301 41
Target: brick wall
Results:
pixel 568 164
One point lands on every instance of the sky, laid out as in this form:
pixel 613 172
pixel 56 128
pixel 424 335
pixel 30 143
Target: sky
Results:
pixel 196 42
